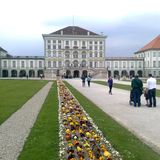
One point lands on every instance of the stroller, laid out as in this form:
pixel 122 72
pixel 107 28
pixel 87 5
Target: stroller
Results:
pixel 131 97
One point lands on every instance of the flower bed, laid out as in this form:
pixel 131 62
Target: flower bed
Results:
pixel 80 138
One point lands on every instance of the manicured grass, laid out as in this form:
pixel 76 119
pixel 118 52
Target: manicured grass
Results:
pixel 130 147
pixel 123 86
pixel 43 141
pixel 14 93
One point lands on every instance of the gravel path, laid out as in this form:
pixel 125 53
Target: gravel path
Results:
pixel 15 130
pixel 142 121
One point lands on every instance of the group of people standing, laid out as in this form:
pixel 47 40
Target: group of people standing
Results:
pixel 149 93
pixel 84 78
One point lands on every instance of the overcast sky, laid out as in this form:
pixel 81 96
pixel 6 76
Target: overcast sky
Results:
pixel 128 24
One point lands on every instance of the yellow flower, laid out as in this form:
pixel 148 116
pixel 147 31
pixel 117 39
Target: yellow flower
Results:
pixel 107 154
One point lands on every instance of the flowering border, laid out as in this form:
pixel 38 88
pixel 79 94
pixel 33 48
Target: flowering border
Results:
pixel 80 138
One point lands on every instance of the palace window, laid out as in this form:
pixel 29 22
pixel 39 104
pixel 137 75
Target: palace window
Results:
pixel 48 46
pixel 31 64
pixel 40 64
pixel 49 64
pixel 75 43
pixel 54 64
pixel 124 64
pixel 90 42
pixel 59 64
pixel 140 65
pixel 95 54
pixel 100 47
pixel 154 63
pixel 67 43
pixel 95 47
pixel 116 64
pixel 91 64
pixel 4 63
pixel 13 64
pixel 22 64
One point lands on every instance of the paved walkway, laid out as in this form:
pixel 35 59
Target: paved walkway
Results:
pixel 15 130
pixel 142 121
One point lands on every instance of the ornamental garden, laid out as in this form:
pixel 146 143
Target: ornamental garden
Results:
pixel 69 126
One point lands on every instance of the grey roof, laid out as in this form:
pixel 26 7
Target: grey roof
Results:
pixel 74 30
pixel 1 49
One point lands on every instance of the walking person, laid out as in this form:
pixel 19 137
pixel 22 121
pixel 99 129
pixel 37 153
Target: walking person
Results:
pixel 137 88
pixel 110 84
pixel 151 85
pixel 89 80
pixel 83 80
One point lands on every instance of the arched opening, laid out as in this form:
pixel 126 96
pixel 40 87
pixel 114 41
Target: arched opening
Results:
pixel 40 72
pixel 31 73
pixel 13 73
pixel 68 74
pixel 4 73
pixel 22 73
pixel 124 73
pixel 116 74
pixel 84 72
pixel 132 73
pixel 76 74
pixel 140 73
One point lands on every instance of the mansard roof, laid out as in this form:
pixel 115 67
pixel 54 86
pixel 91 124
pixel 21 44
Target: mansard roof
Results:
pixel 152 45
pixel 73 30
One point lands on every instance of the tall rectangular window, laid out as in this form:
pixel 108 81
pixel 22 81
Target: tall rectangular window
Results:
pixel 67 43
pixel 124 64
pixel 13 64
pixel 54 64
pixel 59 64
pixel 49 47
pixel 31 64
pixel 116 64
pixel 40 64
pixel 95 64
pixel 49 64
pixel 132 64
pixel 158 63
pixel 90 64
pixel 154 63
pixel 22 64
pixel 140 65
pixel 4 63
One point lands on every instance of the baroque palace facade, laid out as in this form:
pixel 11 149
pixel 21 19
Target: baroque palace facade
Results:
pixel 73 51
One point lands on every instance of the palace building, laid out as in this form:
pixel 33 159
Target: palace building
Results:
pixel 74 51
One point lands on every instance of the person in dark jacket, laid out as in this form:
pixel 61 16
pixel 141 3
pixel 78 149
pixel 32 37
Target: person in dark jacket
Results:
pixel 137 89
pixel 110 84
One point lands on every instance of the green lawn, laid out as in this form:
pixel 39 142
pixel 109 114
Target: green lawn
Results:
pixel 43 141
pixel 14 93
pixel 123 86
pixel 130 147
